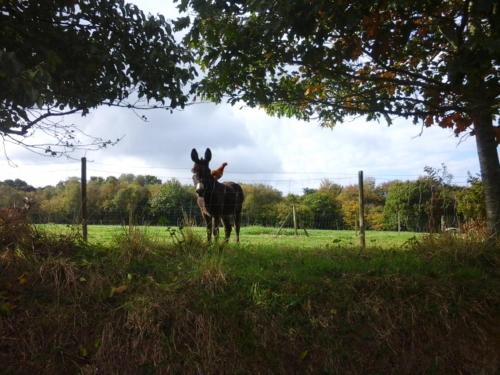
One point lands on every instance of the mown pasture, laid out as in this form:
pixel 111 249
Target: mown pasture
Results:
pixel 254 236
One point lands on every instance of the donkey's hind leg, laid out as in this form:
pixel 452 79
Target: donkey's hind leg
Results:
pixel 226 220
pixel 237 225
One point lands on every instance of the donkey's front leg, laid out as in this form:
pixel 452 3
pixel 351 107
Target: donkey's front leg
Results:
pixel 208 222
pixel 215 226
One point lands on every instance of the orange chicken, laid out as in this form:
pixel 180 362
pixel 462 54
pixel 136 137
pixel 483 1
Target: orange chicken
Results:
pixel 217 173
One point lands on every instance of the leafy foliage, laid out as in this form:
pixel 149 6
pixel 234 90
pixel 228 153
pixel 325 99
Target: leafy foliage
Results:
pixel 172 199
pixel 260 202
pixel 61 57
pixel 470 201
pixel 374 201
pixel 326 209
pixel 428 60
pixel 421 205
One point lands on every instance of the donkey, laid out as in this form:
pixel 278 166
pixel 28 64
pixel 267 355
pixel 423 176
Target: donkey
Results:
pixel 216 200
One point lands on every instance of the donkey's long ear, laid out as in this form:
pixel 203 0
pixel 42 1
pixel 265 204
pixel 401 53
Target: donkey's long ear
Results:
pixel 208 155
pixel 194 156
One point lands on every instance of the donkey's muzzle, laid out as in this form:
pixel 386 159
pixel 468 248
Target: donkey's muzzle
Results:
pixel 199 189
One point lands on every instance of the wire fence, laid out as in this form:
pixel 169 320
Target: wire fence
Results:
pixel 275 214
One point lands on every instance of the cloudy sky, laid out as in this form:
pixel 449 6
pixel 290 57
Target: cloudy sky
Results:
pixel 285 153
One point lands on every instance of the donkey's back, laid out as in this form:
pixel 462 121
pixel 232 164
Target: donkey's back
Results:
pixel 233 199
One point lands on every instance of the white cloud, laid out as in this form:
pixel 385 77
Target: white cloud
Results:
pixel 381 151
pixel 285 153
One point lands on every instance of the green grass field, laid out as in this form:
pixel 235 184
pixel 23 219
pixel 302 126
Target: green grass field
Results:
pixel 257 236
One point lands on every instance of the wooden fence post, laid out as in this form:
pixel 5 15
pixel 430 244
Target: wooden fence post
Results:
pixel 362 239
pixel 294 220
pixel 399 222
pixel 84 218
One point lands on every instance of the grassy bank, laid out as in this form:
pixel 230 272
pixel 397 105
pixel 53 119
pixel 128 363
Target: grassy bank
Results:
pixel 144 305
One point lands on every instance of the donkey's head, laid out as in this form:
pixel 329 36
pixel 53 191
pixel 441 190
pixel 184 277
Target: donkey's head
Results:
pixel 201 171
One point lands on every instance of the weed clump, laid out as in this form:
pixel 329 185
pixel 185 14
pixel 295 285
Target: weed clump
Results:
pixel 464 250
pixel 135 243
pixel 211 273
pixel 15 230
pixel 186 242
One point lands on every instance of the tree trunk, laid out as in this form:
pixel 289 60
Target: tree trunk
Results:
pixel 490 169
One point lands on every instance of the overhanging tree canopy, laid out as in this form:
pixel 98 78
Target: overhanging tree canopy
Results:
pixel 434 61
pixel 59 57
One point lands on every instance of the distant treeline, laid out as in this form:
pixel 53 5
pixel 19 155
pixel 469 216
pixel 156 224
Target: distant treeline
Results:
pixel 426 204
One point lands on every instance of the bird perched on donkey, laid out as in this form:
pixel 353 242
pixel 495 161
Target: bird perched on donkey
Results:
pixel 217 201
pixel 217 173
